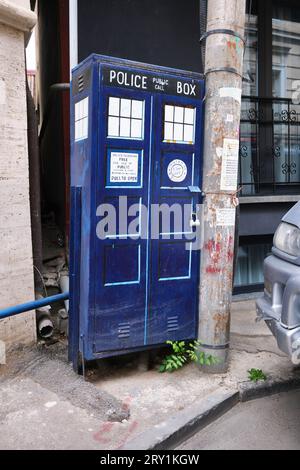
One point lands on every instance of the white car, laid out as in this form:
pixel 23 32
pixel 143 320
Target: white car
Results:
pixel 280 305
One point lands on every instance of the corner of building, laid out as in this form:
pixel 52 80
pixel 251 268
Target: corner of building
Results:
pixel 16 262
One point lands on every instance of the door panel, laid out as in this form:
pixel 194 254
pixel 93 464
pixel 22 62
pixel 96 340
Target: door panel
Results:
pixel 123 170
pixel 174 265
pixel 146 289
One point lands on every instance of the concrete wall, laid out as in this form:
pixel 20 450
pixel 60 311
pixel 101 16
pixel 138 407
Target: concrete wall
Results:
pixel 16 269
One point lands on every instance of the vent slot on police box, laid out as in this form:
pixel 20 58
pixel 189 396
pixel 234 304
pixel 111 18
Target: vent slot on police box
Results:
pixel 82 82
pixel 173 324
pixel 124 330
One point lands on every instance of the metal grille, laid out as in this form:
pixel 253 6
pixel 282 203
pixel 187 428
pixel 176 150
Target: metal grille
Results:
pixel 269 146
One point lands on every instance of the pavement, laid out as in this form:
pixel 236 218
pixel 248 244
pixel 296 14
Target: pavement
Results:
pixel 271 423
pixel 124 405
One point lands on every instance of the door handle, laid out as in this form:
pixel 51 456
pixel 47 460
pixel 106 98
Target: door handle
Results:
pixel 194 222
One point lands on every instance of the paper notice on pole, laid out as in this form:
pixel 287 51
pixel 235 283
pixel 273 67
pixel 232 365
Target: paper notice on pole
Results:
pixel 229 92
pixel 225 217
pixel 230 163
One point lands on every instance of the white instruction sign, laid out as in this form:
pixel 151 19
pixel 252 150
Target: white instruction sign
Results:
pixel 124 167
pixel 177 171
pixel 230 164
pixel 226 217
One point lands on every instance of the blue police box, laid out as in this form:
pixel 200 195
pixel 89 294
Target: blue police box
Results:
pixel 136 138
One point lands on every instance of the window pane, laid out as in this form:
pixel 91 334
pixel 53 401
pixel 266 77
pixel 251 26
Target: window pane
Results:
pixel 77 130
pixel 169 113
pixel 114 107
pixel 136 128
pixel 85 129
pixel 250 263
pixel 189 134
pixel 85 111
pixel 125 108
pixel 137 109
pixel 113 127
pixel 189 116
pixel 285 84
pixel 125 127
pixel 77 115
pixel 178 132
pixel 168 131
pixel 179 112
pixel 250 57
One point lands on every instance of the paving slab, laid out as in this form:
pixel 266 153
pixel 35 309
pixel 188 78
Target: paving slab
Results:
pixel 122 400
pixel 271 423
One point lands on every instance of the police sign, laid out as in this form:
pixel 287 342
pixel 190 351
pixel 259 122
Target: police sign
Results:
pixel 152 83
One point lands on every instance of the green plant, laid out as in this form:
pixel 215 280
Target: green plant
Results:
pixel 182 353
pixel 256 374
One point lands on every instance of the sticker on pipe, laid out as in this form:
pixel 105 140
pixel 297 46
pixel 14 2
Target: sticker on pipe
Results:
pixel 230 163
pixel 225 217
pixel 177 171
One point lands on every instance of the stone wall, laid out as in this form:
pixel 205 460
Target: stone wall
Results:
pixel 16 269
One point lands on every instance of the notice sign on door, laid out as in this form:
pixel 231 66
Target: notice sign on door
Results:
pixel 124 168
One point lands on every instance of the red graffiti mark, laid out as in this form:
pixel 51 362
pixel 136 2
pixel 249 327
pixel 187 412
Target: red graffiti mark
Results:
pixel 100 437
pixel 126 404
pixel 104 435
pixel 231 44
pixel 213 270
pixel 218 247
pixel 210 245
pixel 215 249
pixel 131 429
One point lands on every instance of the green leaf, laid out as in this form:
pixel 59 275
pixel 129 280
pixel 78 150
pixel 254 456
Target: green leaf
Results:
pixel 183 353
pixel 256 374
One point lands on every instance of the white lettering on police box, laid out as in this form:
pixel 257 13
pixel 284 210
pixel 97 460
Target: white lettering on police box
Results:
pixel 128 79
pixel 187 89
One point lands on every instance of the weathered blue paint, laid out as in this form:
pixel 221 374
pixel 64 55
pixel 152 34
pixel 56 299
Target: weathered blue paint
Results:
pixel 134 293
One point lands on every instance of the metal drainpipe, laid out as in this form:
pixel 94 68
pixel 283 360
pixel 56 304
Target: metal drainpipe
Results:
pixel 64 285
pixel 35 190
pixel 35 305
pixel 44 322
pixel 203 27
pixel 55 88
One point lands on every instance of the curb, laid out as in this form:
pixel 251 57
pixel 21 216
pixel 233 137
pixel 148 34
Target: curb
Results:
pixel 182 425
pixel 251 391
pixel 171 433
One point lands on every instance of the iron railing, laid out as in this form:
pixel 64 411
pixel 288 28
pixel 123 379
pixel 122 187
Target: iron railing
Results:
pixel 269 146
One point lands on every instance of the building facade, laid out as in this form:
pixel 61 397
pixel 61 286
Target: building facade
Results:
pixel 16 266
pixel 270 140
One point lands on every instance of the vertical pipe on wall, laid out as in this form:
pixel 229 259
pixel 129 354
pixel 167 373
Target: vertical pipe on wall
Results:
pixel 73 19
pixel 35 190
pixel 64 19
